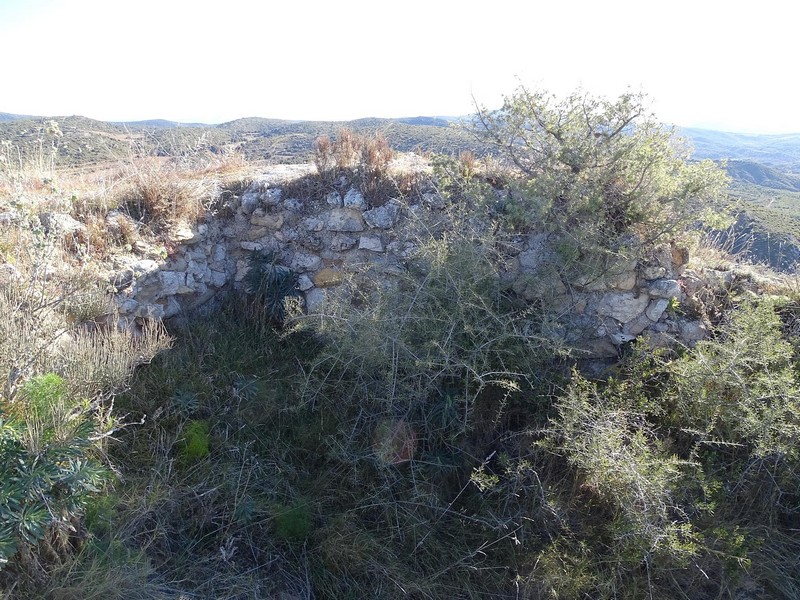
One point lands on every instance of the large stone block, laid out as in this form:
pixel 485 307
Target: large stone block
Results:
pixel 623 306
pixel 345 220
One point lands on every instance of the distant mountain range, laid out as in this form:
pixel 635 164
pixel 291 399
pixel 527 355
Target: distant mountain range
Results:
pixel 781 150
pixel 765 169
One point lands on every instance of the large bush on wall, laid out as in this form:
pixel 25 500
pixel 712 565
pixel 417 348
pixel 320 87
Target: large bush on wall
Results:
pixel 604 174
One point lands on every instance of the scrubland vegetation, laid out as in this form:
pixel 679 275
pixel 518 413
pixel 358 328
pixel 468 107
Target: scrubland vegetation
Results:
pixel 426 437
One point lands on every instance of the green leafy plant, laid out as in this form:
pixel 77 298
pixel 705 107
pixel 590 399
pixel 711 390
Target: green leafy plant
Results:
pixel 195 441
pixel 48 474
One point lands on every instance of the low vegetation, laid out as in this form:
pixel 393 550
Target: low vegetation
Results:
pixel 427 437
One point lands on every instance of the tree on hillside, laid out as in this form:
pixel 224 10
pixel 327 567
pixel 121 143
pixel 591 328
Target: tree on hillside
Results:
pixel 604 173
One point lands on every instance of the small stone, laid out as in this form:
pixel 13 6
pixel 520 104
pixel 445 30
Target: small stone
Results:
pixel 664 288
pixel 293 204
pixel 304 262
pixel 313 224
pixel 251 246
pixel 354 199
pixel 269 221
pixel 692 332
pixel 334 199
pixel 383 217
pixel 374 244
pixel 656 308
pixel 637 326
pixel 256 233
pixel 304 283
pixel 340 243
pixel 315 300
pixel 328 277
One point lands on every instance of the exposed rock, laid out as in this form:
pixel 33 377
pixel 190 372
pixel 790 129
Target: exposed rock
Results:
pixel 664 288
pixel 60 224
pixel 354 199
pixel 304 283
pixel 315 300
pixel 334 199
pixel 328 277
pixel 383 217
pixel 636 326
pixel 623 307
pixel 656 308
pixel 372 243
pixel 340 243
pixel 303 262
pixel 345 220
pixel 692 332
pixel 270 221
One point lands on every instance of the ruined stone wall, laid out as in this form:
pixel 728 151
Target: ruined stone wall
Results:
pixel 321 240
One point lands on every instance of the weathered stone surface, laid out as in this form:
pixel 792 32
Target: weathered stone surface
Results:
pixel 383 217
pixel 171 281
pixel 60 223
pixel 303 262
pixel 530 260
pixel 304 283
pixel 256 233
pixel 354 199
pixel 369 242
pixel 623 306
pixel 315 300
pixel 664 288
pixel 636 326
pixel 251 246
pixel 328 277
pixel 656 308
pixel 345 220
pixel 333 199
pixel 313 224
pixel 692 332
pixel 340 242
pixel 269 221
pixel 218 279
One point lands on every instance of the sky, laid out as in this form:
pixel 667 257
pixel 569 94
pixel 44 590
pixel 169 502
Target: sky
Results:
pixel 703 63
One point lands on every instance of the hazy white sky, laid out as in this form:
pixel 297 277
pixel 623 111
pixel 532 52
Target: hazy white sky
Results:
pixel 721 64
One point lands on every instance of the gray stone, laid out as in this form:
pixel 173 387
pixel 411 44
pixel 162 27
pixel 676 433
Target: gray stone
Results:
pixel 656 308
pixel 60 223
pixel 315 300
pixel 218 279
pixel 692 332
pixel 271 221
pixel 293 204
pixel 305 262
pixel 171 282
pixel 313 224
pixel 149 311
pixel 171 308
pixel 304 283
pixel 372 243
pixel 637 326
pixel 383 217
pixel 144 266
pixel 622 306
pixel 346 220
pixel 354 199
pixel 530 260
pixel 251 246
pixel 334 199
pixel 340 243
pixel 664 288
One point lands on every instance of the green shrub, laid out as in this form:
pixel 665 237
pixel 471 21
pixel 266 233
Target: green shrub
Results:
pixel 48 473
pixel 195 441
pixel 293 523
